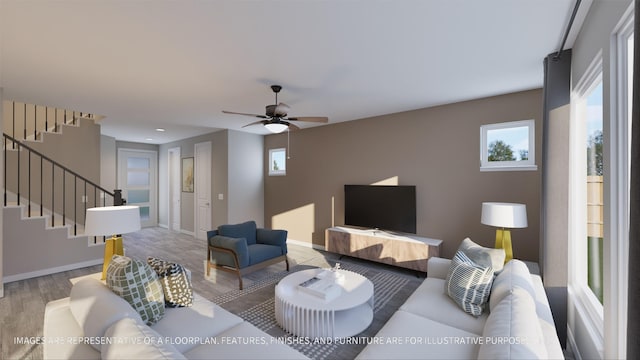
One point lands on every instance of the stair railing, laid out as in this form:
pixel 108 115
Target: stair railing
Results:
pixel 38 163
pixel 32 121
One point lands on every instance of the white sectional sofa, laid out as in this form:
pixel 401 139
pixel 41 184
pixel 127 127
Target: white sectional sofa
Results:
pixel 430 325
pixel 93 323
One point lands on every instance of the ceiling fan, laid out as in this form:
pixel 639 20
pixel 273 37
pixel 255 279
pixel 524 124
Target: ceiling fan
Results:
pixel 275 118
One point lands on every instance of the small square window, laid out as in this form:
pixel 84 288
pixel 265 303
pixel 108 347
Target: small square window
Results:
pixel 277 162
pixel 508 146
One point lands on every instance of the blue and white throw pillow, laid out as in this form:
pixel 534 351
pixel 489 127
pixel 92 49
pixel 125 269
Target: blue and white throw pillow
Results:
pixel 175 281
pixel 469 284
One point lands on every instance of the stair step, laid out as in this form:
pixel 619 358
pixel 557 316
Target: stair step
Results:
pixel 46 215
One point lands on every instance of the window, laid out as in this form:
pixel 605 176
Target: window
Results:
pixel 277 162
pixel 508 146
pixel 588 201
pixel 593 166
pixel 600 151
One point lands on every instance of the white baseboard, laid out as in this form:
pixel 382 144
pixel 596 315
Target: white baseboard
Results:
pixel 571 345
pixel 182 231
pixel 57 269
pixel 164 226
pixel 305 244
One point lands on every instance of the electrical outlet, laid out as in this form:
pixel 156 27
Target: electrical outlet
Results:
pixel 220 196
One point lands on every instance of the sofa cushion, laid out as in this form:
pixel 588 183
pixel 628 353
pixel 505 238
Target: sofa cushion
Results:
pixel 259 253
pixel 483 255
pixel 137 283
pixel 545 319
pixel 514 274
pixel 469 284
pixel 409 336
pixel 59 323
pixel 431 301
pixel 245 230
pixel 197 323
pixel 512 330
pixel 175 281
pixel 131 339
pixel 95 308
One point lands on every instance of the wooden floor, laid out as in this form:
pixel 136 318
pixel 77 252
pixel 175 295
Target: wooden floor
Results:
pixel 22 308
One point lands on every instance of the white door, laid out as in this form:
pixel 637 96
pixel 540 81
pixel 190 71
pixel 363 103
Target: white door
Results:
pixel 202 169
pixel 174 189
pixel 137 177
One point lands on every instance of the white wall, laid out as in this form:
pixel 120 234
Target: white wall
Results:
pixel 246 182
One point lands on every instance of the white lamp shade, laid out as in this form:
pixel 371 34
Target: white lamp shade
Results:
pixel 276 127
pixel 112 220
pixel 505 215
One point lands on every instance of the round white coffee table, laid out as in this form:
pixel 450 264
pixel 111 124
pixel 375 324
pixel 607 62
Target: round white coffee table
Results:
pixel 303 314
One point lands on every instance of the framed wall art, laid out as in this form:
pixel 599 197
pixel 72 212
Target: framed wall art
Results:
pixel 187 174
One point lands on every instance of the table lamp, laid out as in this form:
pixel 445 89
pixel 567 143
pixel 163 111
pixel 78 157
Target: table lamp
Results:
pixel 112 221
pixel 504 216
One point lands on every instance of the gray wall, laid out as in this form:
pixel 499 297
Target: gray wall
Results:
pixel 108 162
pixel 74 148
pixel 33 249
pixel 246 185
pixel 1 186
pixel 220 178
pixel 436 149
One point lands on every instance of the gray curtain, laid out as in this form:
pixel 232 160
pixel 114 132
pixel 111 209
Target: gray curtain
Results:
pixel 633 316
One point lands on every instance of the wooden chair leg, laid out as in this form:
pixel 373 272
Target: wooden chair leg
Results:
pixel 208 262
pixel 240 280
pixel 286 260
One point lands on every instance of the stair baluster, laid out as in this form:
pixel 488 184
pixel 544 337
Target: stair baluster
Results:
pixel 21 148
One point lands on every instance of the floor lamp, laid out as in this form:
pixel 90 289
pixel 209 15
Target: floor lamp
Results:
pixel 504 216
pixel 112 221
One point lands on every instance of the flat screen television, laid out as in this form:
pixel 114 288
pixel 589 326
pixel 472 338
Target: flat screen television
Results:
pixel 381 207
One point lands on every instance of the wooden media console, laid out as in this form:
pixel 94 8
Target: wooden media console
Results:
pixel 403 250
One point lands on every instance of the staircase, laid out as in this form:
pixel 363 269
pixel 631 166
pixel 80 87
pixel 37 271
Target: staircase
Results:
pixel 45 196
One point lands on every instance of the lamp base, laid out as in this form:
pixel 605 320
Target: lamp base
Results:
pixel 503 241
pixel 112 246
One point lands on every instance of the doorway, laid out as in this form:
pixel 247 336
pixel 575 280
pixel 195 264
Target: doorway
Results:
pixel 202 169
pixel 175 191
pixel 137 177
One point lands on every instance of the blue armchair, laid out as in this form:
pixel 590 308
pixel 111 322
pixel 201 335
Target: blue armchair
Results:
pixel 244 248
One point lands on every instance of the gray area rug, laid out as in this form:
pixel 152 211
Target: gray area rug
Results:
pixel 255 304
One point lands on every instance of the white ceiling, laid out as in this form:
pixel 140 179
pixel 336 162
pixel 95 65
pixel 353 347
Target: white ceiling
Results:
pixel 178 64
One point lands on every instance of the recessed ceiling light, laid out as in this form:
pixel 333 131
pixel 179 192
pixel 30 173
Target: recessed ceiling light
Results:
pixel 149 139
pixel 160 130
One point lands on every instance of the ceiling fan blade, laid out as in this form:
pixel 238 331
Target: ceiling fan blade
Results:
pixel 282 109
pixel 245 114
pixel 318 119
pixel 256 123
pixel 293 127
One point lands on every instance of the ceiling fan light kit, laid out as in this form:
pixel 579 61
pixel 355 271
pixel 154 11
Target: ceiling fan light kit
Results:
pixel 275 118
pixel 276 128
